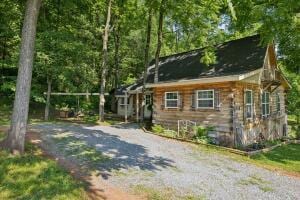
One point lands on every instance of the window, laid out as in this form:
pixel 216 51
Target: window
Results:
pixel 171 99
pixel 249 104
pixel 265 104
pixel 122 101
pixel 277 102
pixel 148 99
pixel 205 99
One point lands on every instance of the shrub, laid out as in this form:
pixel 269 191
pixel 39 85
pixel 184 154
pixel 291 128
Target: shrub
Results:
pixel 202 134
pixel 157 128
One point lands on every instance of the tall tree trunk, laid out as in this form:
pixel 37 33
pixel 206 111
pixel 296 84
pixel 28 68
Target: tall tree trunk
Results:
pixel 159 39
pixel 146 61
pixel 117 56
pixel 16 136
pixel 104 64
pixel 47 108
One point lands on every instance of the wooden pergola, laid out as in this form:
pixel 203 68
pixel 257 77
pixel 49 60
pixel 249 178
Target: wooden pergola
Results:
pixel 74 94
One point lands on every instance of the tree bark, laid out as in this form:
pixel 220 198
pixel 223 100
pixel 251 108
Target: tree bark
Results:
pixel 117 58
pixel 146 62
pixel 104 64
pixel 159 39
pixel 47 108
pixel 16 136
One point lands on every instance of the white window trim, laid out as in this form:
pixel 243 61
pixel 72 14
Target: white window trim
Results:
pixel 213 98
pixel 265 103
pixel 252 110
pixel 171 99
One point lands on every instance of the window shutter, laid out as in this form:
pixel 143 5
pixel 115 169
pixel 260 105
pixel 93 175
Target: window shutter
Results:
pixel 260 103
pixel 163 101
pixel 193 100
pixel 217 100
pixel 180 101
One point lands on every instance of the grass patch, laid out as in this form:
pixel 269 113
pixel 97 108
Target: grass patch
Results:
pixel 75 147
pixel 258 181
pixel 285 158
pixel 33 177
pixel 163 194
pixel 151 193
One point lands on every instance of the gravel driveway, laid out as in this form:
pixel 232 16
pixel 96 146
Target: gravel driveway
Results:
pixel 131 158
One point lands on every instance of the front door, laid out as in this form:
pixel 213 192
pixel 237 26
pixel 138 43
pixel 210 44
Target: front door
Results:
pixel 148 106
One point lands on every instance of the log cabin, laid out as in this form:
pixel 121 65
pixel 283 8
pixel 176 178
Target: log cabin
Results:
pixel 242 95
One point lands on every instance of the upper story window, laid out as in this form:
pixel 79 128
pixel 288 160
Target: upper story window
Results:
pixel 277 102
pixel 205 99
pixel 171 99
pixel 249 103
pixel 265 101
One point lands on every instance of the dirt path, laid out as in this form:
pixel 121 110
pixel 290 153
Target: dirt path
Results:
pixel 97 188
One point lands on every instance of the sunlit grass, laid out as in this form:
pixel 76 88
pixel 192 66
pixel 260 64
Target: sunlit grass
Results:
pixel 151 193
pixel 284 158
pixel 32 176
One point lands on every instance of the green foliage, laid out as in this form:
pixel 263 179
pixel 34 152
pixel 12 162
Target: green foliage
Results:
pixel 157 128
pixel 208 57
pixel 285 157
pixel 33 177
pixel 202 134
pixel 130 80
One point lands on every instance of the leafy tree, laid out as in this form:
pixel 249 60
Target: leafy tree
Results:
pixel 16 136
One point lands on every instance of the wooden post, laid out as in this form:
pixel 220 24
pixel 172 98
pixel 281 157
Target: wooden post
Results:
pixel 137 107
pixel 125 102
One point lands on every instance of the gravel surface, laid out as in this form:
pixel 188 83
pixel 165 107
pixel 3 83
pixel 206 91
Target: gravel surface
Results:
pixel 181 169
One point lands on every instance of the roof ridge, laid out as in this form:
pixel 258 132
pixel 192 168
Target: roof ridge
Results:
pixel 197 49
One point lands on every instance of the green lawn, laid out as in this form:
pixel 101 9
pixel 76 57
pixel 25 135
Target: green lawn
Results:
pixel 34 177
pixel 286 157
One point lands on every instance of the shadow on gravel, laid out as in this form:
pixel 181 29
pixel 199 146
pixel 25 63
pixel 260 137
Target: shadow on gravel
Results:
pixel 102 151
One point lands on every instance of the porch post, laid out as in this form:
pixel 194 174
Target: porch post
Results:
pixel 137 106
pixel 126 104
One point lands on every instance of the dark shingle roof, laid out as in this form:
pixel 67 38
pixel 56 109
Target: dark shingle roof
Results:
pixel 232 58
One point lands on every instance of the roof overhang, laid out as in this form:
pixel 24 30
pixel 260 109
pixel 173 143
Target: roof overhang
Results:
pixel 206 80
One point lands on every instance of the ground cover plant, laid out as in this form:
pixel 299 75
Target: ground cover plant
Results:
pixel 33 176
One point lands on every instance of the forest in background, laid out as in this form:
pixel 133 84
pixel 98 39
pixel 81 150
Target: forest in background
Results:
pixel 69 40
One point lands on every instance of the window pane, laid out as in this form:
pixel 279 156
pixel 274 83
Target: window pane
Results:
pixel 267 109
pixel 205 94
pixel 171 103
pixel 171 95
pixel 248 111
pixel 248 97
pixel 205 103
pixel 148 99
